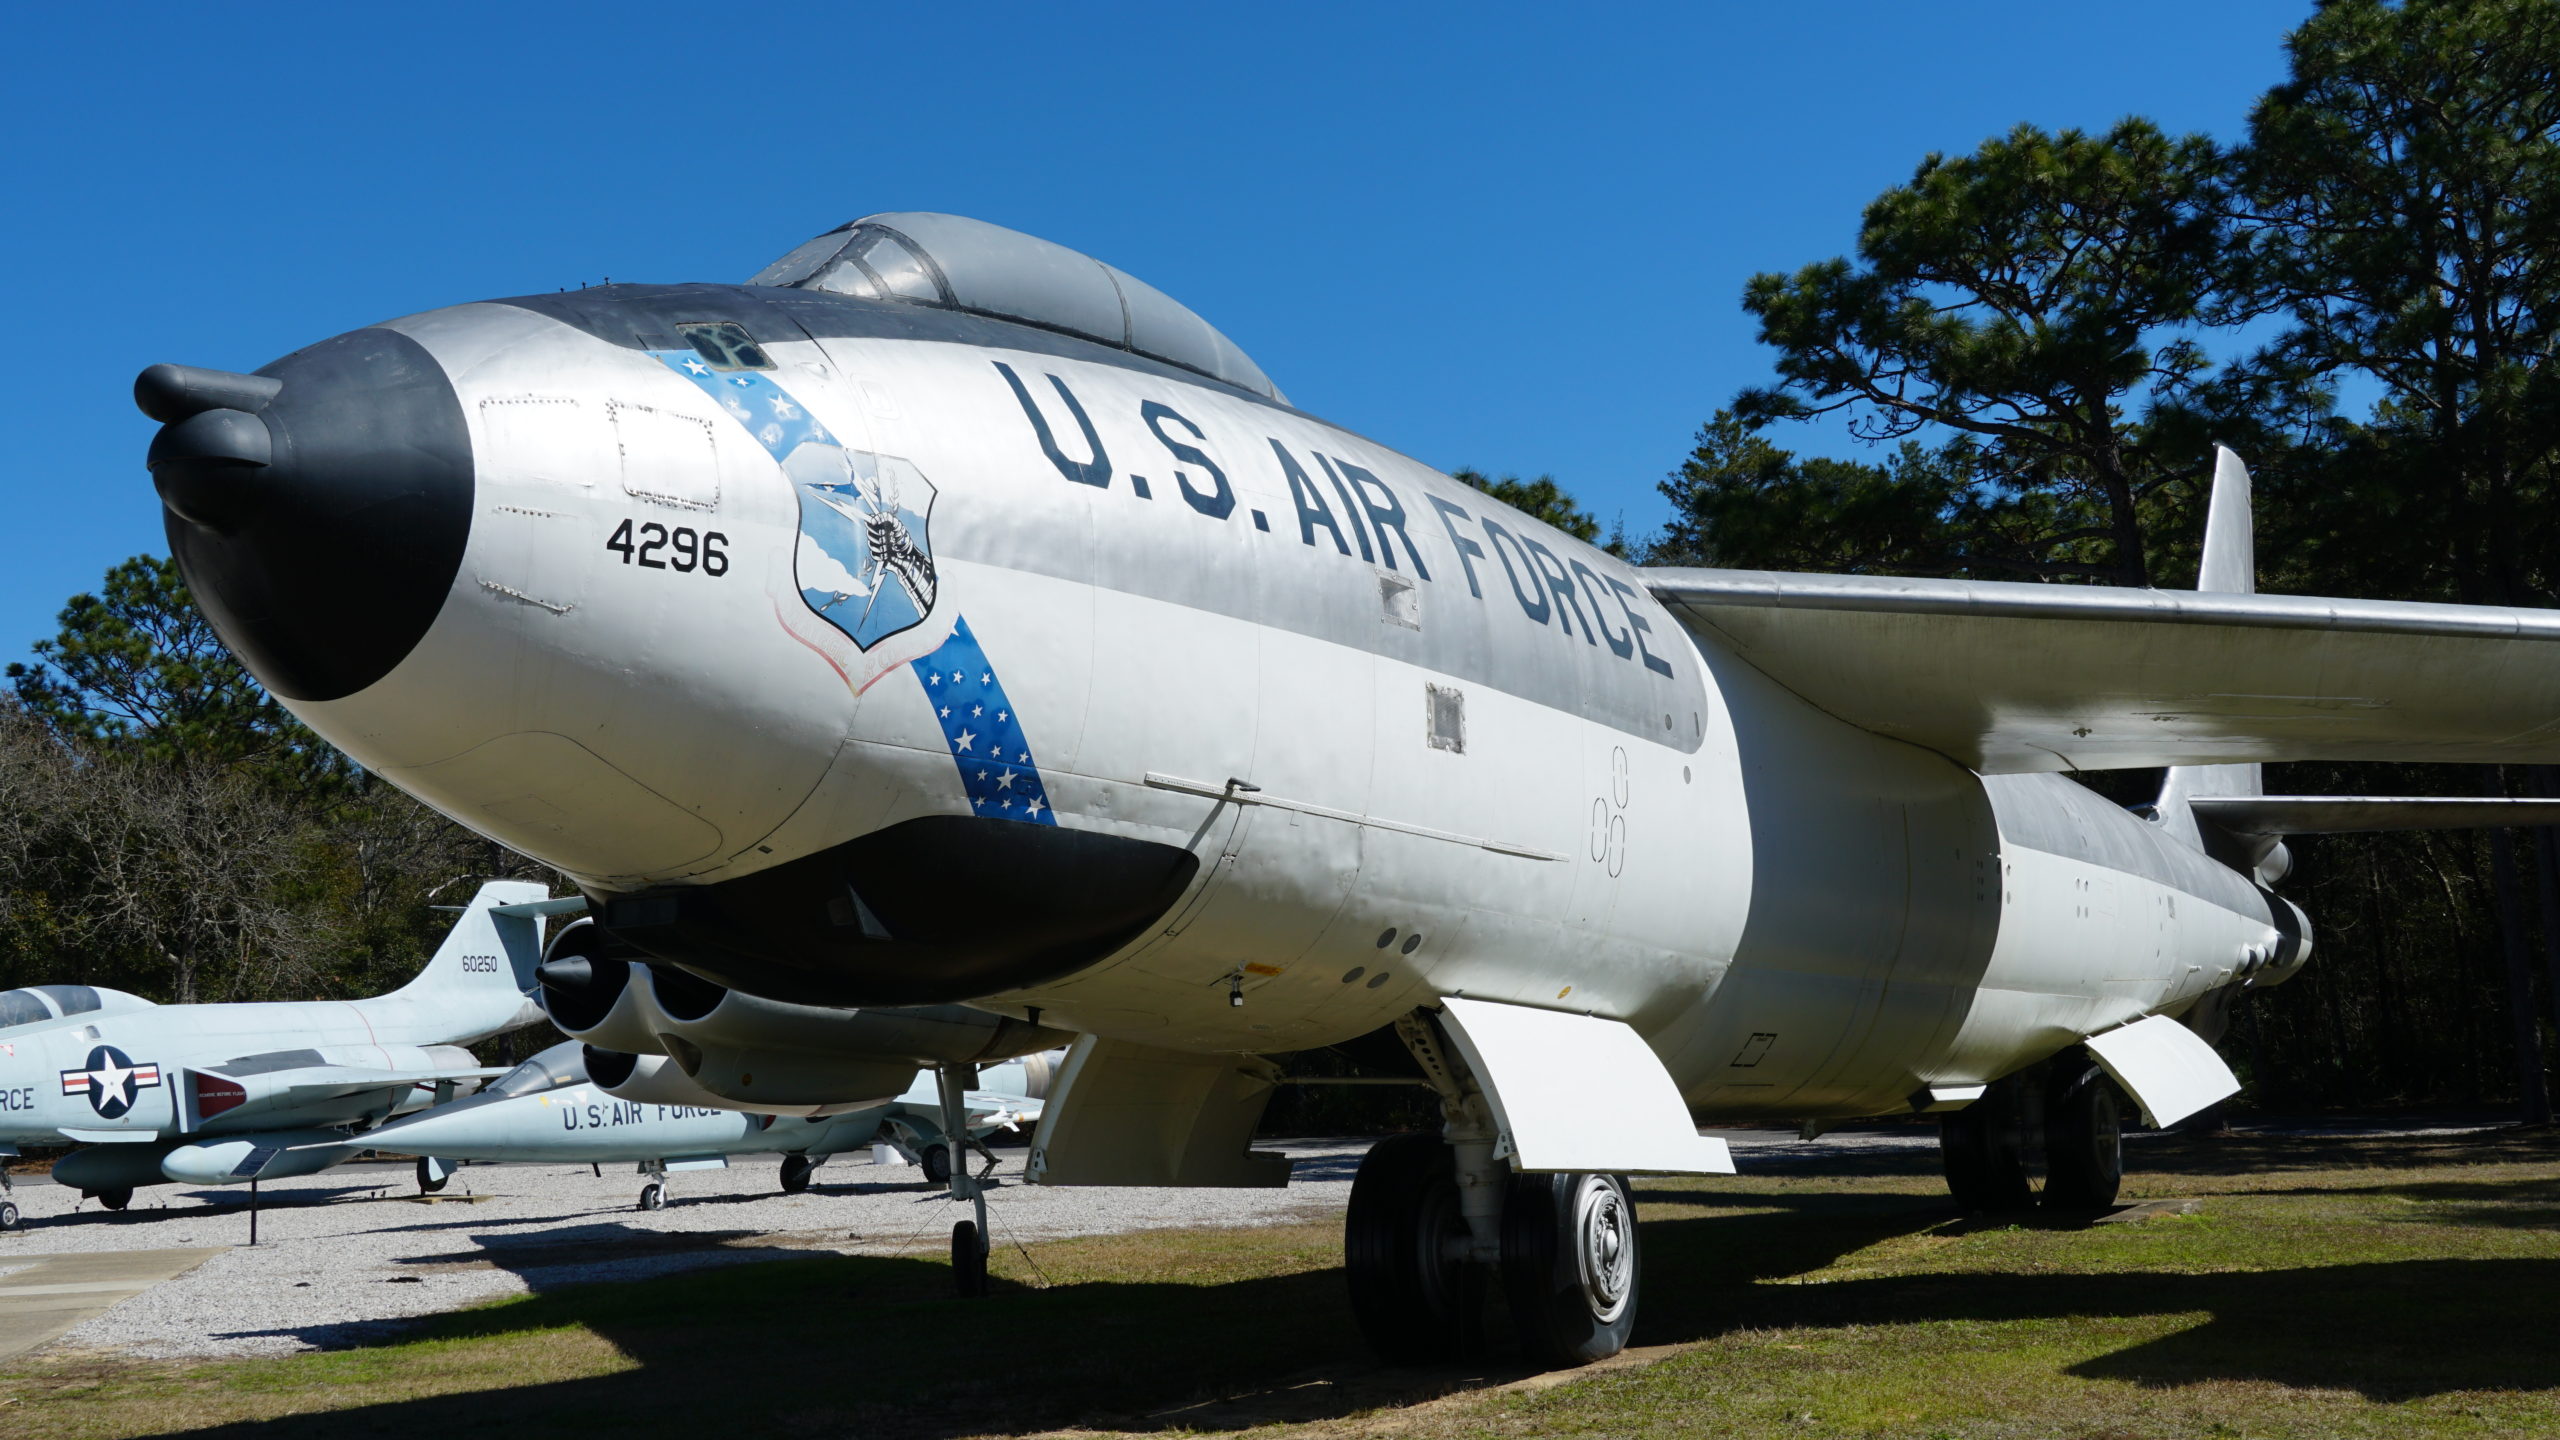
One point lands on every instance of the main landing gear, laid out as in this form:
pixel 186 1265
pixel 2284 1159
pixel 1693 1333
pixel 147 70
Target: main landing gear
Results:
pixel 1433 1218
pixel 2061 1121
pixel 1567 1260
pixel 8 1207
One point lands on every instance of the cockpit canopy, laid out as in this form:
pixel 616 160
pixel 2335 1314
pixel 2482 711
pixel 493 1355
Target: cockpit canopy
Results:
pixel 962 264
pixel 557 1068
pixel 37 1004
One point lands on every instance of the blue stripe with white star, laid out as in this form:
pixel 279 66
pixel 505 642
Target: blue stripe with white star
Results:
pixel 759 403
pixel 982 732
pixel 978 723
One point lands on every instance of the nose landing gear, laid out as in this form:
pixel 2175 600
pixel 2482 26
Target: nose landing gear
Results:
pixel 796 1170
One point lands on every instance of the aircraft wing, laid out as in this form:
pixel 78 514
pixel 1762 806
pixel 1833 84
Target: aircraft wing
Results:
pixel 1001 1111
pixel 2340 814
pixel 2010 677
pixel 321 1082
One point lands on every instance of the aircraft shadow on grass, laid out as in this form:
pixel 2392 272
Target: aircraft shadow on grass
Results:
pixel 872 1345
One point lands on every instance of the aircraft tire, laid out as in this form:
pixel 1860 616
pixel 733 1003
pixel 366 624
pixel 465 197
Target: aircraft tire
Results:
pixel 1416 1304
pixel 796 1170
pixel 653 1196
pixel 430 1182
pixel 8 1215
pixel 968 1259
pixel 2083 1136
pixel 1984 1147
pixel 1571 1267
pixel 117 1198
pixel 936 1162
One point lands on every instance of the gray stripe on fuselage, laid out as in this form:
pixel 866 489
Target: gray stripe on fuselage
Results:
pixel 2060 816
pixel 1308 582
pixel 643 317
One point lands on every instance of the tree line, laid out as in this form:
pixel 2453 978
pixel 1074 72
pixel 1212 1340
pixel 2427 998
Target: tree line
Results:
pixel 168 829
pixel 2038 340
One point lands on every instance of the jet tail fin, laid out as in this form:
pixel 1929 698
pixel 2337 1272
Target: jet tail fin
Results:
pixel 487 954
pixel 2230 567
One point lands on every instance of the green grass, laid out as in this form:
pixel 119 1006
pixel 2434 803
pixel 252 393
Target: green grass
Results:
pixel 2323 1289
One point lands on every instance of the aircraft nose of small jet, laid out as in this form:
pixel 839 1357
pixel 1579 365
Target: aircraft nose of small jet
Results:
pixel 318 508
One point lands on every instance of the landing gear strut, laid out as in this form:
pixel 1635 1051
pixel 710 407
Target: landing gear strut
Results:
pixel 2061 1122
pixel 968 1237
pixel 8 1207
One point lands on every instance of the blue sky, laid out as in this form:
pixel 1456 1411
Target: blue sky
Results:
pixel 1504 236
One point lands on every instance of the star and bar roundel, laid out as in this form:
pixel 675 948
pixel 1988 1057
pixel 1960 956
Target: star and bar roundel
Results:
pixel 111 1081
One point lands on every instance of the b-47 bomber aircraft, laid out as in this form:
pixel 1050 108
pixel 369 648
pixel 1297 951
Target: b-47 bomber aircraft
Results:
pixel 227 1094
pixel 550 1109
pixel 946 616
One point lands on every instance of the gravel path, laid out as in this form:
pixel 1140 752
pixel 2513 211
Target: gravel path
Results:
pixel 343 1260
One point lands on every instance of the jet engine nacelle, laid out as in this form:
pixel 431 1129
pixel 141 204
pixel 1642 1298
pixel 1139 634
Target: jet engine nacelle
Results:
pixel 2281 961
pixel 587 989
pixel 760 1054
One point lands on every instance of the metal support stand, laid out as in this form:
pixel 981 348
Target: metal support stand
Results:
pixel 953 1081
pixel 253 1210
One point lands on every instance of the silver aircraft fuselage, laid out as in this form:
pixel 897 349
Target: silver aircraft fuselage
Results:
pixel 1124 695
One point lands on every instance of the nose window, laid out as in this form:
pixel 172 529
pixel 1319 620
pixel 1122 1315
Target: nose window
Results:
pixel 726 344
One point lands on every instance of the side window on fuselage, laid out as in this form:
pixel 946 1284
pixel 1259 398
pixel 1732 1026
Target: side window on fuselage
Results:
pixel 726 345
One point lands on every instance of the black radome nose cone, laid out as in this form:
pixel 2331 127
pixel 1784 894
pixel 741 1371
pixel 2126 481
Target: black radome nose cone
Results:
pixel 319 508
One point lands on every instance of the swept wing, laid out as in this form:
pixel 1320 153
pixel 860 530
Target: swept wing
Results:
pixel 2012 677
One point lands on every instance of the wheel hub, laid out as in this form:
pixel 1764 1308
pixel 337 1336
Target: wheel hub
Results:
pixel 1603 1247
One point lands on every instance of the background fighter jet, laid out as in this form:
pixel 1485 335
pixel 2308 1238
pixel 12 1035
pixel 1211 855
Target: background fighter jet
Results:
pixel 548 1109
pixel 1220 731
pixel 225 1094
